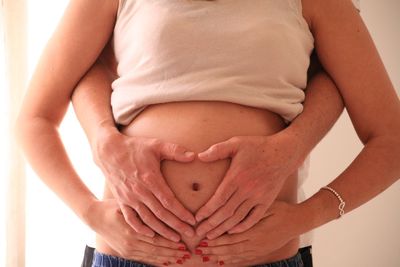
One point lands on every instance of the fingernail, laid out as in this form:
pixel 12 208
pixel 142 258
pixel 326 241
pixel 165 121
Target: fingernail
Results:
pixel 221 262
pixel 179 261
pixel 186 256
pixel 165 264
pixel 182 248
pixel 205 259
pixel 199 218
pixel 191 221
pixel 189 154
pixel 203 244
pixel 198 251
pixel 175 238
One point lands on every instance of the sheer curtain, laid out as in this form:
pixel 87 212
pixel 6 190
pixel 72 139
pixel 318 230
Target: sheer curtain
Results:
pixel 14 73
pixel 36 228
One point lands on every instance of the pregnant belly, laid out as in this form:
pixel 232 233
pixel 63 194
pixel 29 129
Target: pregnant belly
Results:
pixel 198 125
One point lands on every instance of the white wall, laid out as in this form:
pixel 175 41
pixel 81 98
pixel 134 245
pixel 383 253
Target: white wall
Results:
pixel 370 235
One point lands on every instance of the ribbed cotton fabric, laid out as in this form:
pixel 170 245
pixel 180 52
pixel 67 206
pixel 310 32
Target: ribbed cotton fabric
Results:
pixel 254 53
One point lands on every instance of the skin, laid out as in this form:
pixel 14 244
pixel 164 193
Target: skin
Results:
pixel 110 148
pixel 373 114
pixel 323 105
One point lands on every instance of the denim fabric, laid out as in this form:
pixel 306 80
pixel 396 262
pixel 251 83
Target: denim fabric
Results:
pixel 104 260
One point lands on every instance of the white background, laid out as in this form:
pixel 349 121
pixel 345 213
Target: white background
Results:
pixel 368 237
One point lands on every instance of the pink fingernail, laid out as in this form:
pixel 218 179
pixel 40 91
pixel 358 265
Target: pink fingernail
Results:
pixel 198 252
pixel 189 154
pixel 199 218
pixel 182 248
pixel 179 261
pixel 205 259
pixel 203 244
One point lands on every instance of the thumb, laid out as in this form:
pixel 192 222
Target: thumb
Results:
pixel 219 151
pixel 176 152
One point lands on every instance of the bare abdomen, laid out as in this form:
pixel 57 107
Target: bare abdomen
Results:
pixel 197 126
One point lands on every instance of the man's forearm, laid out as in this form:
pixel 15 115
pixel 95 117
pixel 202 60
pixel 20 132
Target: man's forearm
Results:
pixel 322 107
pixel 91 101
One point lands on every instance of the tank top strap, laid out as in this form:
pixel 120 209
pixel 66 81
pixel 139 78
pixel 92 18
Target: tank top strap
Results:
pixel 297 8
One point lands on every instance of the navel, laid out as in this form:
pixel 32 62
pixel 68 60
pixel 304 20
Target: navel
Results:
pixel 195 187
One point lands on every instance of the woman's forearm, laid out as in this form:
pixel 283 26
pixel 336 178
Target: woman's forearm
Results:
pixel 68 55
pixel 372 171
pixel 44 150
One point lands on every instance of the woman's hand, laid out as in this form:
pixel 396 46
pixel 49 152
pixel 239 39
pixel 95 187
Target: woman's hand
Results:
pixel 279 226
pixel 132 168
pixel 106 219
pixel 259 167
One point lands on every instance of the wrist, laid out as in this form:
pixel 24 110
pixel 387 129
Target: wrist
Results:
pixel 299 148
pixel 105 131
pixel 318 210
pixel 90 214
pixel 300 134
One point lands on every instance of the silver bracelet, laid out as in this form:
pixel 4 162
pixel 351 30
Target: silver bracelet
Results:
pixel 342 203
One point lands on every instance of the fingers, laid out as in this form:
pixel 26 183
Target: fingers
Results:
pixel 230 249
pixel 152 258
pixel 154 223
pixel 175 152
pixel 219 151
pixel 226 250
pixel 254 217
pixel 162 251
pixel 238 259
pixel 224 192
pixel 131 218
pixel 162 242
pixel 224 254
pixel 226 239
pixel 168 201
pixel 162 216
pixel 221 215
pixel 239 215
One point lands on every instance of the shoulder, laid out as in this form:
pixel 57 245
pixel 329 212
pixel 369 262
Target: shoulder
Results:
pixel 314 10
pixel 105 6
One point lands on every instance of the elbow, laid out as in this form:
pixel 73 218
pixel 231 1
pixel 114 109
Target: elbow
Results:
pixel 27 128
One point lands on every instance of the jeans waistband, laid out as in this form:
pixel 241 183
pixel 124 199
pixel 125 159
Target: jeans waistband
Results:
pixel 104 260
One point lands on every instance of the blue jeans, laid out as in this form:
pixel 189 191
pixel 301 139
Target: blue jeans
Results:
pixel 104 260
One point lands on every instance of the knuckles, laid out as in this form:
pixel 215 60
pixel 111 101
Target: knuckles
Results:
pixel 148 178
pixel 166 201
pixel 235 140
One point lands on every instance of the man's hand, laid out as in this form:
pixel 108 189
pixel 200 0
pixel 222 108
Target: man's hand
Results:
pixel 132 168
pixel 107 220
pixel 258 170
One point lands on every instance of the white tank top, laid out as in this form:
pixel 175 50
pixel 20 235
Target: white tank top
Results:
pixel 255 53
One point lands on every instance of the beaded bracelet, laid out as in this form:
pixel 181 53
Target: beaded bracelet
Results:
pixel 342 203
